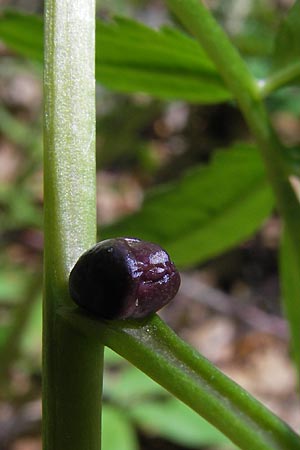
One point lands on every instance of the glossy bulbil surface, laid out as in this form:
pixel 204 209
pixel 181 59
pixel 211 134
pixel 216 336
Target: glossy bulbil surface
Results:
pixel 124 277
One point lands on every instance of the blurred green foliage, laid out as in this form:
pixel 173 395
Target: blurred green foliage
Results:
pixel 188 215
pixel 136 401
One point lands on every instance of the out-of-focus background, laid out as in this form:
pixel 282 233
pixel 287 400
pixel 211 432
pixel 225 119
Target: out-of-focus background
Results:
pixel 228 308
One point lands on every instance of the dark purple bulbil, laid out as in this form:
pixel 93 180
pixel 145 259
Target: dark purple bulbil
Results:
pixel 124 278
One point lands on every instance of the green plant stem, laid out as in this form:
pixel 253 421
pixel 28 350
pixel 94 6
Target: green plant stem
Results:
pixel 290 285
pixel 155 349
pixel 72 365
pixel 199 21
pixel 279 79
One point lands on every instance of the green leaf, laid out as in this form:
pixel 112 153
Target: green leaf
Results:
pixel 174 421
pixel 131 57
pixel 23 33
pixel 167 64
pixel 209 210
pixel 117 431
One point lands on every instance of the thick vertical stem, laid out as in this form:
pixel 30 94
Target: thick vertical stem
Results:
pixel 72 364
